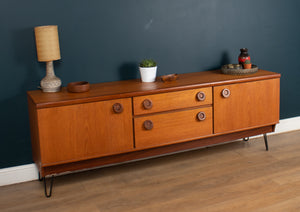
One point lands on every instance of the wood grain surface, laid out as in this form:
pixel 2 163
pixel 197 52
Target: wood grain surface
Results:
pixel 151 152
pixel 130 88
pixel 76 131
pixel 249 104
pixel 172 127
pixel 84 131
pixel 172 100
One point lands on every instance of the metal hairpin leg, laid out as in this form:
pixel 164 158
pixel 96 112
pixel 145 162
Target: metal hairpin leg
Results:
pixel 266 142
pixel 50 188
pixel 40 178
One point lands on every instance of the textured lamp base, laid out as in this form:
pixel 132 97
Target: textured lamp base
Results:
pixel 51 90
pixel 50 83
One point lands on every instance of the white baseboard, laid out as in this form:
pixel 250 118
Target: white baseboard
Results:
pixel 18 174
pixel 286 125
pixel 24 173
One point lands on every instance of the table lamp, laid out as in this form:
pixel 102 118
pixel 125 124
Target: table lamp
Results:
pixel 47 47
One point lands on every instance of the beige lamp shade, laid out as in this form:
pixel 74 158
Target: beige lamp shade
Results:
pixel 47 43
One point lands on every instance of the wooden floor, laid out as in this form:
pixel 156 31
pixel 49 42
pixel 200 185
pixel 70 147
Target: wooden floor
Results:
pixel 239 176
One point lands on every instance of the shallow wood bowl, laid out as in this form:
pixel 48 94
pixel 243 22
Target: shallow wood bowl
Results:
pixel 78 87
pixel 169 77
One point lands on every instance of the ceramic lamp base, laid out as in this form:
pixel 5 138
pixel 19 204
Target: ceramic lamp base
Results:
pixel 50 83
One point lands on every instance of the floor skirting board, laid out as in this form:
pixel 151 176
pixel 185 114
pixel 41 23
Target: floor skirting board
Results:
pixel 18 174
pixel 29 172
pixel 286 125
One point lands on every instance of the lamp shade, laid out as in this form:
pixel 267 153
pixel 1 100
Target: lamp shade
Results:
pixel 47 43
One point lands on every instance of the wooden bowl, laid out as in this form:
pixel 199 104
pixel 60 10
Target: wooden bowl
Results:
pixel 78 87
pixel 168 78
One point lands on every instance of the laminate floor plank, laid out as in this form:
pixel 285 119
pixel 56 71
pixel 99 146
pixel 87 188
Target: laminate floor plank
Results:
pixel 239 176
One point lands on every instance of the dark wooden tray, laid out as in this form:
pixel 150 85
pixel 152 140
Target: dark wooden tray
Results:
pixel 234 71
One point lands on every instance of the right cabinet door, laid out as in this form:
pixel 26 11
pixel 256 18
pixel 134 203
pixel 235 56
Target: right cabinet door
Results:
pixel 246 105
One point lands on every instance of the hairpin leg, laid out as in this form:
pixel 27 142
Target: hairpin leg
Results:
pixel 266 142
pixel 50 188
pixel 40 178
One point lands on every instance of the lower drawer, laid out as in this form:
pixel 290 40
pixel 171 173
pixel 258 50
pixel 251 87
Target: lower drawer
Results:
pixel 173 127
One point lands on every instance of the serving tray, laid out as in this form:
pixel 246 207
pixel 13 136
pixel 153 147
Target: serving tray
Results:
pixel 235 71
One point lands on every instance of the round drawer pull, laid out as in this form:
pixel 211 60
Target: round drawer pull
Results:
pixel 200 96
pixel 201 116
pixel 118 108
pixel 225 93
pixel 147 103
pixel 148 124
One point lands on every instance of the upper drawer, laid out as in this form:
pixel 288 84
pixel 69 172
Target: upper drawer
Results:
pixel 172 100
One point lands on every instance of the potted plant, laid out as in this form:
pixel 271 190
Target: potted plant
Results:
pixel 247 64
pixel 148 70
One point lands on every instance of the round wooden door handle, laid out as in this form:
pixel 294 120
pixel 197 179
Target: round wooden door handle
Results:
pixel 200 96
pixel 147 103
pixel 226 93
pixel 118 108
pixel 148 124
pixel 201 116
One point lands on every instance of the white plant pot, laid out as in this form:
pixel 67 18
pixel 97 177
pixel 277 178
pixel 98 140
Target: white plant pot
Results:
pixel 148 74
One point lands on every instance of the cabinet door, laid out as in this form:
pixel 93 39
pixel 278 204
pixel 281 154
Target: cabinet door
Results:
pixel 246 105
pixel 83 131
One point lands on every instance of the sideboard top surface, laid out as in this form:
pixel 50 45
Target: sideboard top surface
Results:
pixel 130 88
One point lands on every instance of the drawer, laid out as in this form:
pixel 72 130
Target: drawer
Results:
pixel 172 127
pixel 172 100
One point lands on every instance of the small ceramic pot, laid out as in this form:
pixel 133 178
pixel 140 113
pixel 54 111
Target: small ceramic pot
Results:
pixel 247 66
pixel 148 74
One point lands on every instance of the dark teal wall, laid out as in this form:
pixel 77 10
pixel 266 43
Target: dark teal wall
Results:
pixel 103 40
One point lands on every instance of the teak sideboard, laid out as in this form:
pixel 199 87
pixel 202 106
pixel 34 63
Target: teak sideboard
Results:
pixel 127 120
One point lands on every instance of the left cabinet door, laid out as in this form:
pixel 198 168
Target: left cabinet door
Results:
pixel 84 131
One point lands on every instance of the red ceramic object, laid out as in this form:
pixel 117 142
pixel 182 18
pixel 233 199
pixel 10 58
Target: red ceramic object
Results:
pixel 243 56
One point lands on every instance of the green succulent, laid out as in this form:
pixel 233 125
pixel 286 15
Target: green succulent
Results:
pixel 247 62
pixel 147 63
